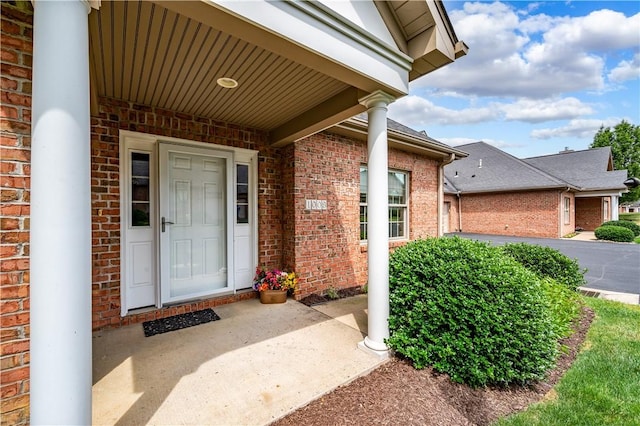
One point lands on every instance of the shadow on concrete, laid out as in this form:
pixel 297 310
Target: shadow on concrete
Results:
pixel 254 365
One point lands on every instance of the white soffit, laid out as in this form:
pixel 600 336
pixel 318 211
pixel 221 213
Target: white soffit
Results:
pixel 321 30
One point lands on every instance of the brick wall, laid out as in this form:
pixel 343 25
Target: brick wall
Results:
pixel 525 214
pixel 15 154
pixel 589 214
pixel 325 244
pixel 115 115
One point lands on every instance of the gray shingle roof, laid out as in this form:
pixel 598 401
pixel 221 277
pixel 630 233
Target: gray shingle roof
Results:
pixel 488 169
pixel 401 128
pixel 589 169
pixel 586 170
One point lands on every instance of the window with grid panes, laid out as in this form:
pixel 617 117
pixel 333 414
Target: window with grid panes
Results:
pixel 398 225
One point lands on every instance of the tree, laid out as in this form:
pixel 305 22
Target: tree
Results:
pixel 624 140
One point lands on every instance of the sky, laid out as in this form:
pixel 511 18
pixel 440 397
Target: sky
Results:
pixel 539 77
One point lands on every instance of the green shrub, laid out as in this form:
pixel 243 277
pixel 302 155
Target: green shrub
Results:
pixel 468 310
pixel 547 262
pixel 564 303
pixel 614 233
pixel 625 224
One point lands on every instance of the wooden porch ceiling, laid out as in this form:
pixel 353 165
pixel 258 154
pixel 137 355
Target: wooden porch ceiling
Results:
pixel 146 53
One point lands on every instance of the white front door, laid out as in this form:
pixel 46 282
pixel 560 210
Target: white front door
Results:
pixel 195 222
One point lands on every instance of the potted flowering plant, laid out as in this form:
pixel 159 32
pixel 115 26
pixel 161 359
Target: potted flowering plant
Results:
pixel 274 284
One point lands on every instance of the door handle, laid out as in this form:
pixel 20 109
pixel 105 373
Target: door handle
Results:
pixel 165 222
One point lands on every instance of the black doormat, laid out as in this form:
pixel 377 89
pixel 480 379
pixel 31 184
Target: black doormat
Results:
pixel 177 322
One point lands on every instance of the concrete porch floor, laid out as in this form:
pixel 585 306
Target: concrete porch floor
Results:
pixel 251 367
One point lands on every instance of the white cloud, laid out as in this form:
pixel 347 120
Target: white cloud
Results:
pixel 464 141
pixel 601 30
pixel 532 55
pixel 418 112
pixel 580 128
pixel 537 111
pixel 626 70
pixel 457 141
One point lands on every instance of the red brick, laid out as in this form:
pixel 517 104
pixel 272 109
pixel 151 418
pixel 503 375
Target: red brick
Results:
pixel 12 98
pixel 8 195
pixel 15 154
pixel 8 83
pixel 14 182
pixel 8 140
pixel 14 375
pixel 11 404
pixel 18 43
pixel 8 391
pixel 513 213
pixel 9 223
pixel 14 210
pixel 589 213
pixel 14 237
pixel 8 168
pixel 8 348
pixel 9 56
pixel 16 417
pixel 8 251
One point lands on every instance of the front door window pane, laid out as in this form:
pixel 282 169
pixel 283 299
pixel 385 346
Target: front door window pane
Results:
pixel 242 193
pixel 140 201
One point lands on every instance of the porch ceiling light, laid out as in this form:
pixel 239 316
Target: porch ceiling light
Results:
pixel 227 83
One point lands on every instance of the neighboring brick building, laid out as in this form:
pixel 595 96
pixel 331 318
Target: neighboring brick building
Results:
pixel 153 153
pixel 549 196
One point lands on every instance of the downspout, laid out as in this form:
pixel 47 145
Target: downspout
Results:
pixel 449 160
pixel 459 212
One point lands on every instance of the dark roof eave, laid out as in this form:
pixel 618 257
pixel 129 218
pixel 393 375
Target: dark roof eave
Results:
pixel 403 139
pixel 532 188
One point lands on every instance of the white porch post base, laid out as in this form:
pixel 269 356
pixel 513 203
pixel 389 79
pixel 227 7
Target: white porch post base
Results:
pixel 615 213
pixel 380 353
pixel 60 286
pixel 378 222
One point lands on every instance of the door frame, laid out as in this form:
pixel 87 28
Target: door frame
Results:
pixel 151 143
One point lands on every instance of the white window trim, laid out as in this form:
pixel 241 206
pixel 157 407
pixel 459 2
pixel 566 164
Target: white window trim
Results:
pixel 405 206
pixel 567 210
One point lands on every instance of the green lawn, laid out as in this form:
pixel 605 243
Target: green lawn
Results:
pixel 603 385
pixel 634 217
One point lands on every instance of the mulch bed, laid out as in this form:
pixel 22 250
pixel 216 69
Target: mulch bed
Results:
pixel 396 393
pixel 317 299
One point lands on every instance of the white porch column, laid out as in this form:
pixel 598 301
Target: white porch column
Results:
pixel 60 215
pixel 378 221
pixel 614 207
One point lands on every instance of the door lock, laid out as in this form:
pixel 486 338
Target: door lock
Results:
pixel 165 222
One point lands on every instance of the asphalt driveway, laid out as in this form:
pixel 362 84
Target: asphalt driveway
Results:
pixel 611 266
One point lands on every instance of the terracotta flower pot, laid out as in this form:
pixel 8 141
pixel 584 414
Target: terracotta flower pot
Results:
pixel 273 296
